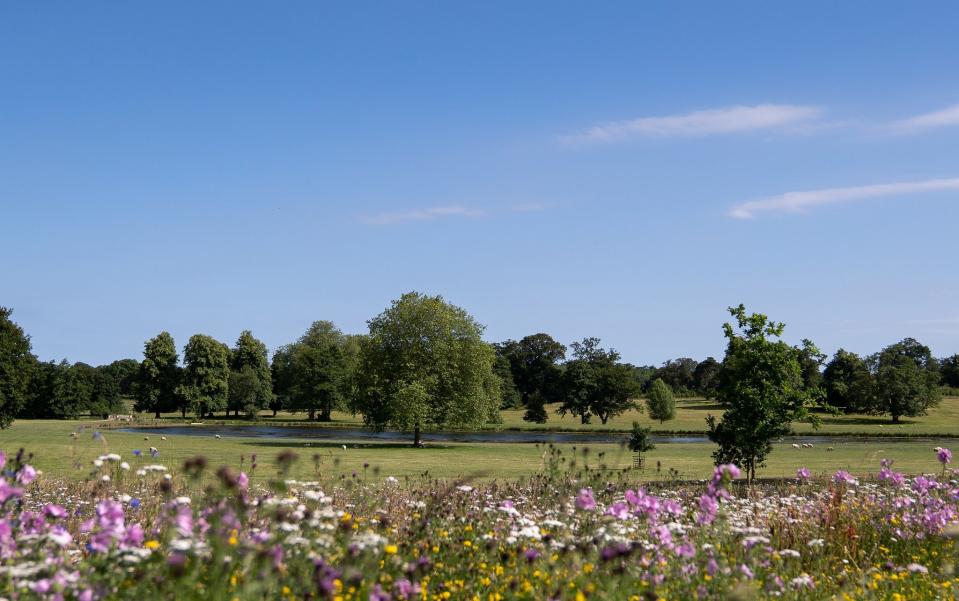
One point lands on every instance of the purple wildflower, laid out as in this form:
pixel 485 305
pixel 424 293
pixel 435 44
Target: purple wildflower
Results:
pixel 844 477
pixel 26 475
pixel 585 501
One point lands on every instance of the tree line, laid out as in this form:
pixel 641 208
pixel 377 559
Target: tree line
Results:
pixel 423 364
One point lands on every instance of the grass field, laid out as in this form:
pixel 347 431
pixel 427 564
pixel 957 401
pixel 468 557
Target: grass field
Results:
pixel 690 418
pixel 57 452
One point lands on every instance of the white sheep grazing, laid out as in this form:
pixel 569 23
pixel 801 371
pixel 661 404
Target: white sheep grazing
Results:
pixel 163 438
pixel 217 436
pixel 795 446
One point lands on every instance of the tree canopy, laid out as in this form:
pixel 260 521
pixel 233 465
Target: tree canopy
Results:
pixel 761 386
pixel 159 376
pixel 660 403
pixel 679 375
pixel 124 372
pixel 206 377
pixel 907 379
pixel 16 363
pixel 847 383
pixel 319 371
pixel 594 382
pixel 426 366
pixel 250 369
pixel 706 376
pixel 534 364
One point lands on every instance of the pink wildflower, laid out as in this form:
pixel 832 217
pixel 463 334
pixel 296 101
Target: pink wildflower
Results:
pixel 585 501
pixel 26 475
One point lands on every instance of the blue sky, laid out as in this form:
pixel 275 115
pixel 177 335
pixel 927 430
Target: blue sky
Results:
pixel 621 170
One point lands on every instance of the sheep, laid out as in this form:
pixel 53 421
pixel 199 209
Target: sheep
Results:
pixel 795 446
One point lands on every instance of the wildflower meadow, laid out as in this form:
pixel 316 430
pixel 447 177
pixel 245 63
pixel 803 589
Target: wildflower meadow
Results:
pixel 134 528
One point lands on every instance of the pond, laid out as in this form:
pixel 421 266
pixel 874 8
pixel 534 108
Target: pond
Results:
pixel 501 436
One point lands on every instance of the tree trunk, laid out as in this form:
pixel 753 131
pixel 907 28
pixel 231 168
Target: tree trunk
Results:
pixel 274 413
pixel 157 416
pixel 416 437
pixel 895 419
pixel 312 414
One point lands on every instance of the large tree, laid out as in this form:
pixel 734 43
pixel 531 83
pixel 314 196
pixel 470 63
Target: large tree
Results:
pixel 761 387
pixel 105 393
pixel 426 366
pixel 643 375
pixel 124 372
pixel 660 403
pixel 536 374
pixel 320 372
pixel 243 388
pixel 16 363
pixel 949 371
pixel 511 396
pixel 352 350
pixel 159 376
pixel 811 360
pixel 65 391
pixel 679 375
pixel 282 376
pixel 847 383
pixel 251 366
pixel 44 384
pixel 72 392
pixel 206 376
pixel 907 379
pixel 706 377
pixel 595 383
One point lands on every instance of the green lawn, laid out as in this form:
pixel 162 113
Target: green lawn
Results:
pixel 690 417
pixel 57 452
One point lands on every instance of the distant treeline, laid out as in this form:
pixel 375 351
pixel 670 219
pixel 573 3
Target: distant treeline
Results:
pixel 426 339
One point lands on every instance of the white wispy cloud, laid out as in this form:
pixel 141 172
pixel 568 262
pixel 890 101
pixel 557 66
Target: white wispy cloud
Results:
pixel 798 202
pixel 724 120
pixel 429 214
pixel 944 118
